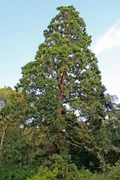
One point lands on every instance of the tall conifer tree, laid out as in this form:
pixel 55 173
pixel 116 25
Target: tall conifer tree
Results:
pixel 64 82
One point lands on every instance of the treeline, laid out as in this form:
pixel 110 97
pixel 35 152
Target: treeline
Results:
pixel 58 122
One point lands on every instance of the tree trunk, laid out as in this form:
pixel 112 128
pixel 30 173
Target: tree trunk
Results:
pixel 1 143
pixel 61 93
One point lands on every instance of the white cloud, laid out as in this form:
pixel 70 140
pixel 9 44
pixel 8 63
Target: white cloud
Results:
pixel 110 39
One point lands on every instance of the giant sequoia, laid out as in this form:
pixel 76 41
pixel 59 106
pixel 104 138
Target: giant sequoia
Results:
pixel 64 86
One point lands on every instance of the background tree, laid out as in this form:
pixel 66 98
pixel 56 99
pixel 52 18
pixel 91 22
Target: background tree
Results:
pixel 11 111
pixel 113 129
pixel 13 142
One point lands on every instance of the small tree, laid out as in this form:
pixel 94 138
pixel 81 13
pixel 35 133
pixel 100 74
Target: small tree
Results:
pixel 12 112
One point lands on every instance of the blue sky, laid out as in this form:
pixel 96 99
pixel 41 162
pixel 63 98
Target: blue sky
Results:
pixel 21 31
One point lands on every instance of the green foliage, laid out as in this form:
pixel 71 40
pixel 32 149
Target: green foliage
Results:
pixel 114 173
pixel 58 123
pixel 57 167
pixel 44 173
pixel 14 108
pixel 14 157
